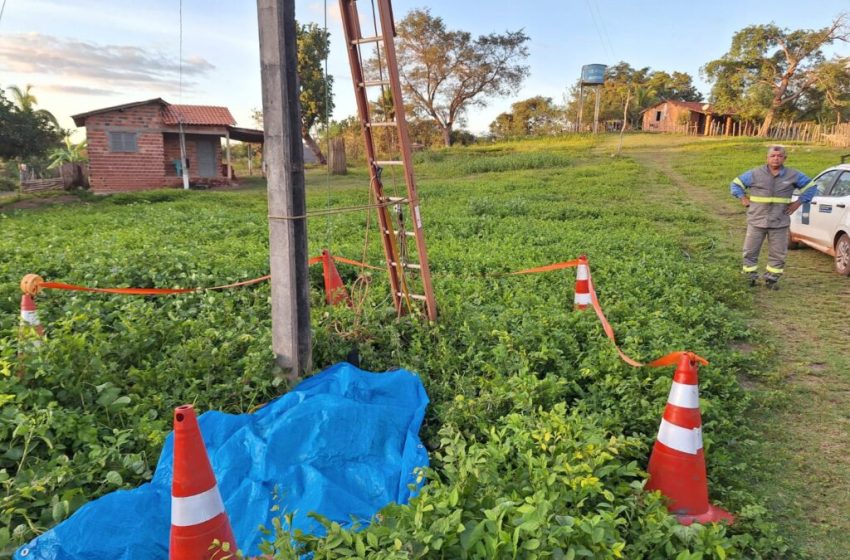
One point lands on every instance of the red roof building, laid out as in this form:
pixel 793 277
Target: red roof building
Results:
pixel 136 146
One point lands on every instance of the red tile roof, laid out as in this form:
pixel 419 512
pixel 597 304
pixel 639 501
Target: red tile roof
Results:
pixel 699 106
pixel 197 115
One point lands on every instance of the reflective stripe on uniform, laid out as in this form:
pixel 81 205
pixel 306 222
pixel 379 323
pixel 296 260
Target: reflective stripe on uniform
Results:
pixel 685 440
pixel 193 510
pixel 684 396
pixel 753 268
pixel 737 181
pixel 774 270
pixel 771 199
pixel 807 187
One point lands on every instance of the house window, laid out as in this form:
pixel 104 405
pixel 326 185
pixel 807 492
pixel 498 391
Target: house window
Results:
pixel 657 116
pixel 122 142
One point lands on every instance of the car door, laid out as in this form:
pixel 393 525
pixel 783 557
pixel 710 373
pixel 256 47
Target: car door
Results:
pixel 831 210
pixel 804 222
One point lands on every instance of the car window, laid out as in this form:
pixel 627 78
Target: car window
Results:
pixel 842 186
pixel 825 179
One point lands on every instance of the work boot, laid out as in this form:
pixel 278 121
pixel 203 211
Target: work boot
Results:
pixel 753 279
pixel 771 281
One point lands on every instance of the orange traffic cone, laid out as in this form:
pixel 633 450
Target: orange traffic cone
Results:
pixel 29 316
pixel 677 464
pixel 335 291
pixel 197 512
pixel 582 297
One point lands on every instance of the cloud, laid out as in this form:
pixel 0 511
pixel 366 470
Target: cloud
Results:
pixel 97 67
pixel 77 90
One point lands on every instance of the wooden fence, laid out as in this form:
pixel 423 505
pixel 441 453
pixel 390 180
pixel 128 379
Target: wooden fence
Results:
pixel 69 175
pixel 837 135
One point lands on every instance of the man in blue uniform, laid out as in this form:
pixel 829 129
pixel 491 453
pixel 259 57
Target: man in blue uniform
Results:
pixel 766 192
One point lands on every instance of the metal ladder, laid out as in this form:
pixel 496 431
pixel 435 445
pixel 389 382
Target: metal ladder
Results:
pixel 393 233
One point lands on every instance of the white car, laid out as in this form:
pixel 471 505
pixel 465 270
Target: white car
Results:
pixel 825 223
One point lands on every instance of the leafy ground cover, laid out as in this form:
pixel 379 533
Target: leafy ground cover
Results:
pixel 538 433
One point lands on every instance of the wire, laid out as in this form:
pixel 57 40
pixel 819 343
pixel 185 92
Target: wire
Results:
pixel 340 210
pixel 329 224
pixel 2 9
pixel 598 23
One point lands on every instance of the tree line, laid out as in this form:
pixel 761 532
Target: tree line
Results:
pixel 768 73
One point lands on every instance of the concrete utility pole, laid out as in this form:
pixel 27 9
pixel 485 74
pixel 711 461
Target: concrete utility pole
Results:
pixel 291 337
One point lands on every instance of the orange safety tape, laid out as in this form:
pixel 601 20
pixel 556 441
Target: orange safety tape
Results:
pixel 666 360
pixel 316 260
pixel 355 263
pixel 548 267
pixel 146 291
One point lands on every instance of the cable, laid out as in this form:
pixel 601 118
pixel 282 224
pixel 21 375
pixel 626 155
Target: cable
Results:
pixel 2 9
pixel 600 29
pixel 329 224
pixel 180 61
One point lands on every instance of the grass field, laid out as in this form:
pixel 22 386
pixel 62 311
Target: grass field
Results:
pixel 538 433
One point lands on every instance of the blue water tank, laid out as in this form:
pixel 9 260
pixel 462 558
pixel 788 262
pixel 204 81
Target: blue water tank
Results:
pixel 593 74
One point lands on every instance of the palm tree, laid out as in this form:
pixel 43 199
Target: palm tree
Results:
pixel 26 102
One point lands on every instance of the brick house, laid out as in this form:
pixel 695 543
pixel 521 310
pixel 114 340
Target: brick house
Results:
pixel 692 117
pixel 136 146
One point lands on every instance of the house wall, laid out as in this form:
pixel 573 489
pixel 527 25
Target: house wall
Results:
pixel 172 153
pixel 670 114
pixel 126 171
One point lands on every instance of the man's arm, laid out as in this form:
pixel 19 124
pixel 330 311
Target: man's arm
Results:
pixel 808 189
pixel 739 187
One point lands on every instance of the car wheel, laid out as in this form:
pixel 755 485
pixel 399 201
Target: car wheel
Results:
pixel 842 255
pixel 793 244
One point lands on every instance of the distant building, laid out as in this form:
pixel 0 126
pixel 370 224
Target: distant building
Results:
pixel 136 146
pixel 690 117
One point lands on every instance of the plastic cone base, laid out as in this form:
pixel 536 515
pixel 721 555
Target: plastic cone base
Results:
pixel 713 515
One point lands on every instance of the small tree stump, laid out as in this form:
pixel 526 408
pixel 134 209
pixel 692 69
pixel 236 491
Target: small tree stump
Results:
pixel 336 159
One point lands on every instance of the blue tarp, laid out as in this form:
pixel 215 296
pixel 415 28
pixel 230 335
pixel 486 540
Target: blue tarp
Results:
pixel 344 443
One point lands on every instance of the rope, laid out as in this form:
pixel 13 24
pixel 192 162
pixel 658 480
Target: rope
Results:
pixel 339 210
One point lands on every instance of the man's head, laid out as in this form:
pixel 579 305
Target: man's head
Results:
pixel 775 157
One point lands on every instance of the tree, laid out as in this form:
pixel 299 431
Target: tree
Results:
pixel 316 95
pixel 24 134
pixel 768 68
pixel 536 116
pixel 316 88
pixel 26 102
pixel 831 90
pixel 445 73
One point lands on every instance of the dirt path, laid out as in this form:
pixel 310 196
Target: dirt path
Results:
pixel 805 421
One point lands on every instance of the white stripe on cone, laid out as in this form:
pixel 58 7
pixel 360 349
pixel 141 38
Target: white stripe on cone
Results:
pixel 581 272
pixel 30 318
pixel 193 510
pixel 684 396
pixel 582 299
pixel 686 440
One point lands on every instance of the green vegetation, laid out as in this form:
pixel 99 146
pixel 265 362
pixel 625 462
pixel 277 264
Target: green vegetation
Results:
pixel 538 433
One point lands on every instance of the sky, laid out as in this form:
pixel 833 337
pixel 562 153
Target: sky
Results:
pixel 83 55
